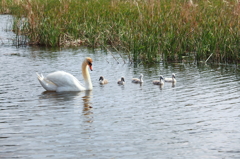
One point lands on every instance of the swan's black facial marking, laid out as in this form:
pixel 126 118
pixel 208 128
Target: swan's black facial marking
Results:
pixel 89 63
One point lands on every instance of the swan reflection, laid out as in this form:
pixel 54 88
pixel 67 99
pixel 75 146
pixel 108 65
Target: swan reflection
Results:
pixel 86 101
pixel 64 97
pixel 87 106
pixel 79 101
pixel 60 97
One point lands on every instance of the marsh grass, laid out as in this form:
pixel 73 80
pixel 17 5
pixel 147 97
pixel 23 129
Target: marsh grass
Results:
pixel 148 30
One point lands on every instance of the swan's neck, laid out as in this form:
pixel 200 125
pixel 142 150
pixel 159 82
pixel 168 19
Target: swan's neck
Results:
pixel 86 76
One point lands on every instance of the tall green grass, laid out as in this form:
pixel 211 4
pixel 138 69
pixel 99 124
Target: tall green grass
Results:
pixel 149 30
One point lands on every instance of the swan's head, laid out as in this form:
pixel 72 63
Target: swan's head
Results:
pixel 122 79
pixel 173 75
pixel 101 78
pixel 89 61
pixel 161 77
pixel 141 76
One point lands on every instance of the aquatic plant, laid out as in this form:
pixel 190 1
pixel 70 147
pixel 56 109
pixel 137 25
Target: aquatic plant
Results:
pixel 148 30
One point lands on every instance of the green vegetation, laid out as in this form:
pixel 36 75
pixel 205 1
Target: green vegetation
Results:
pixel 148 30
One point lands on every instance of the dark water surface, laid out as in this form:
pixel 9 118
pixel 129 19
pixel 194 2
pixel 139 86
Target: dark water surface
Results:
pixel 199 117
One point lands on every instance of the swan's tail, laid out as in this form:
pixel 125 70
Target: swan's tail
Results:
pixel 40 77
pixel 46 84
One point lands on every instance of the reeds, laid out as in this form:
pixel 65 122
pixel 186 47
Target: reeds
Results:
pixel 149 30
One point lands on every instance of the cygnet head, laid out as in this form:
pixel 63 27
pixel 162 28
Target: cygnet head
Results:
pixel 122 79
pixel 161 77
pixel 173 75
pixel 101 78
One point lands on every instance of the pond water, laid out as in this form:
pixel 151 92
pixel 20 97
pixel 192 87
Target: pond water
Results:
pixel 197 118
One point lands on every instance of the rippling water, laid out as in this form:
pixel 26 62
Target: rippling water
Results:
pixel 197 118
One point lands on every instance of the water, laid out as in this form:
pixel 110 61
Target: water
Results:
pixel 197 118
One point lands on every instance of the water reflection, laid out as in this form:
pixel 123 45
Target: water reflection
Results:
pixel 60 97
pixel 87 105
pixel 173 84
pixel 161 86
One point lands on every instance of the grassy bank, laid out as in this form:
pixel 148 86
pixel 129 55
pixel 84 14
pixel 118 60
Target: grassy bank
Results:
pixel 149 30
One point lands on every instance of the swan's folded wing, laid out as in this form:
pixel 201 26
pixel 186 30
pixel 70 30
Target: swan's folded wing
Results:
pixel 65 81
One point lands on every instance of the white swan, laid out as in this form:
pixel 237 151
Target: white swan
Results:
pixel 159 82
pixel 61 81
pixel 136 80
pixel 121 81
pixel 173 79
pixel 102 80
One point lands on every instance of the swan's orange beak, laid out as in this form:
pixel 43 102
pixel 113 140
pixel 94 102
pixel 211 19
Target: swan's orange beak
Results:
pixel 90 66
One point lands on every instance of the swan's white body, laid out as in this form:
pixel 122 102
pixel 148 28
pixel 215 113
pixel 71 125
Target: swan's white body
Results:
pixel 159 82
pixel 61 81
pixel 173 79
pixel 102 80
pixel 121 81
pixel 138 80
